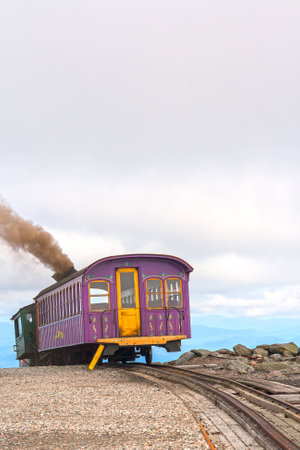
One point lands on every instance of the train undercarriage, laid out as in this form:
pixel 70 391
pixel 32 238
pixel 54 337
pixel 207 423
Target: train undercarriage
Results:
pixel 83 354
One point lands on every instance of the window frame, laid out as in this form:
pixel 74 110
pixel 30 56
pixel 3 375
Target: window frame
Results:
pixel 161 293
pixel 108 295
pixel 173 292
pixel 18 327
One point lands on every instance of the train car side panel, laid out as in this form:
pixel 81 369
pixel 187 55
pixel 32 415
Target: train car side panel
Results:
pixel 62 334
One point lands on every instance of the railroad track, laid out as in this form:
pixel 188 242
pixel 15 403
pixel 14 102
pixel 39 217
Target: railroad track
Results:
pixel 271 421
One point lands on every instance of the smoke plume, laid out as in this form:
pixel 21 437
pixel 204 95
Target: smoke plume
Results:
pixel 23 234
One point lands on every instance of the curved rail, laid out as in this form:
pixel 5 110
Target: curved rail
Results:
pixel 211 378
pixel 194 381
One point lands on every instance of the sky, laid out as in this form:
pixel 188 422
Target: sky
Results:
pixel 164 127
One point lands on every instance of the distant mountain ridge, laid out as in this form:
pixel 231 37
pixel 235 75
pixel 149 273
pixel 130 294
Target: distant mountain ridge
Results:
pixel 209 332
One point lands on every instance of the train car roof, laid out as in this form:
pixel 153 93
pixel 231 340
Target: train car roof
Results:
pixel 24 308
pixel 78 273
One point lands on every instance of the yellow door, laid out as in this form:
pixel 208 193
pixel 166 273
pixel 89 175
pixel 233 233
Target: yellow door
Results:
pixel 128 302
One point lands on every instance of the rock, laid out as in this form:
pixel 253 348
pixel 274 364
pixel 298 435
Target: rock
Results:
pixel 225 351
pixel 297 360
pixel 286 356
pixel 280 348
pixel 242 350
pixel 217 355
pixel 268 366
pixel 185 357
pixel 239 365
pixel 201 352
pixel 264 346
pixel 274 374
pixel 257 357
pixel 261 352
pixel 276 357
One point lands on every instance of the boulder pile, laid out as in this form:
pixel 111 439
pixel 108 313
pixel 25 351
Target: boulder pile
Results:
pixel 263 358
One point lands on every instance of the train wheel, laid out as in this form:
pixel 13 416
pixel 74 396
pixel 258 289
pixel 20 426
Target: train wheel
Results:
pixel 148 356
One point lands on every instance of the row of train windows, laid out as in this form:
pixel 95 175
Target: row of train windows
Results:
pixel 155 296
pixel 61 305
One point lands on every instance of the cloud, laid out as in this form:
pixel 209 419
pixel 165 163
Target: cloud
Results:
pixel 283 301
pixel 161 127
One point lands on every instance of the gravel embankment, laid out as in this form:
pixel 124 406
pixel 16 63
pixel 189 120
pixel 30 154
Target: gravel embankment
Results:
pixel 70 407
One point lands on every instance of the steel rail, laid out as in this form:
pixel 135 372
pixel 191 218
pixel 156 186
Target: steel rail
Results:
pixel 185 379
pixel 211 378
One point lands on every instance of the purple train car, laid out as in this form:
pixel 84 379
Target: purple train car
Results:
pixel 115 309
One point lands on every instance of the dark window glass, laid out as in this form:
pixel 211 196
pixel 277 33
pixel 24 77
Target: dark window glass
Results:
pixel 99 295
pixel 154 293
pixel 174 293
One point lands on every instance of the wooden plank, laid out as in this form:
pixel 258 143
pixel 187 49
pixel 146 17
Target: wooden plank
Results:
pixel 272 387
pixel 290 398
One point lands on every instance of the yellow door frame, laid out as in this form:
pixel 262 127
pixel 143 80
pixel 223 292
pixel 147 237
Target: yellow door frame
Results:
pixel 137 302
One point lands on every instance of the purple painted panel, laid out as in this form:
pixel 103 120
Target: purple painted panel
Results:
pixel 148 323
pixel 173 322
pixel 107 324
pixel 160 323
pixel 101 325
pixel 61 334
pixel 93 327
pixel 154 322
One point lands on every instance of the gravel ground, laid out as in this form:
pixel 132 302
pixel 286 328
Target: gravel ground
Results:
pixel 70 407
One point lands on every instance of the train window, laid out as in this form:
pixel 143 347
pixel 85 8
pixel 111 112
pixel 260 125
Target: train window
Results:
pixel 99 295
pixel 78 298
pixel 154 293
pixel 43 311
pixel 71 301
pixel 127 290
pixel 63 309
pixel 46 310
pixel 173 293
pixel 55 308
pixel 61 305
pixel 18 327
pixel 40 313
pixel 65 303
pixel 50 309
pixel 58 306
pixel 65 297
pixel 29 317
pixel 74 300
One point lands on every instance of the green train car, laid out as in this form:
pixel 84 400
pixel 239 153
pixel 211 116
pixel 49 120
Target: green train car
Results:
pixel 25 333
